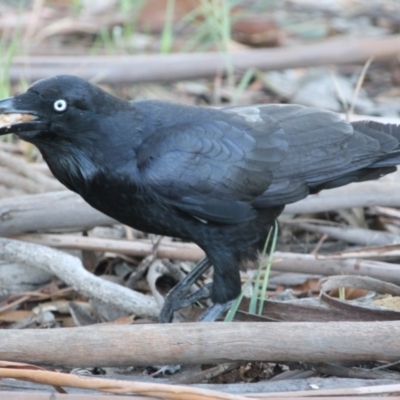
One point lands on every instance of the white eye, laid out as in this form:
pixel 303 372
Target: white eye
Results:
pixel 60 105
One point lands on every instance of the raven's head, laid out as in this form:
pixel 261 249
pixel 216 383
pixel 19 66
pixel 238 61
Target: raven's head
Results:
pixel 75 124
pixel 55 108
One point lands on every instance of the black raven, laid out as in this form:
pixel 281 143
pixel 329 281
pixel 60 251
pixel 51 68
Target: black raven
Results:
pixel 217 177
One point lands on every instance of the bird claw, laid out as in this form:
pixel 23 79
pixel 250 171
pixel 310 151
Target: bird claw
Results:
pixel 177 299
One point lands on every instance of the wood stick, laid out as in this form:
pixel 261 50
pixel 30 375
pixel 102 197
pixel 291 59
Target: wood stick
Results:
pixel 158 390
pixel 70 269
pixel 21 167
pixel 194 343
pixel 350 234
pixel 284 262
pixel 22 392
pixel 138 247
pixel 55 210
pixel 363 194
pixel 315 265
pixel 173 67
pixel 12 180
pixel 67 210
pixel 347 393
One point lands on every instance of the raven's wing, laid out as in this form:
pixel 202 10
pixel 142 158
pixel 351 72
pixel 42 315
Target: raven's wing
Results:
pixel 326 152
pixel 212 168
pixel 224 163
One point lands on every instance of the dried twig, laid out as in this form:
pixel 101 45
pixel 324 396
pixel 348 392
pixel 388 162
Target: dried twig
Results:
pixel 203 343
pixel 55 210
pixel 71 271
pixel 67 210
pixel 138 247
pixel 144 265
pixel 361 236
pixel 15 181
pixel 209 373
pixel 285 262
pixel 323 265
pixel 350 372
pixel 178 66
pixel 21 167
pixel 362 391
pixel 159 390
pixel 364 194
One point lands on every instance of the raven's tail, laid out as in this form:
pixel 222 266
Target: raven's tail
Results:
pixel 387 136
pixel 376 147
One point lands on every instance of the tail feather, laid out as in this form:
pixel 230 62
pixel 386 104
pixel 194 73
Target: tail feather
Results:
pixel 360 175
pixel 379 143
pixel 388 138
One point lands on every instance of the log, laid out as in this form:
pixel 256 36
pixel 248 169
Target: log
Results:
pixel 136 247
pixel 363 194
pixel 315 265
pixel 70 269
pixel 283 262
pixel 205 343
pixel 66 210
pixel 179 66
pixel 63 210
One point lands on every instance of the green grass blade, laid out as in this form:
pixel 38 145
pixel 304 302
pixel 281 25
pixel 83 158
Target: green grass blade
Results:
pixel 254 297
pixel 243 84
pixel 167 33
pixel 257 277
pixel 268 269
pixel 235 306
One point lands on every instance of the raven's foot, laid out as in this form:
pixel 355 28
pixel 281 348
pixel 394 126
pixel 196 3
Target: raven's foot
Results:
pixel 177 299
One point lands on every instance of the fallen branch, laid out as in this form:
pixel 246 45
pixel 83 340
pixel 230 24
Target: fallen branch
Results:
pixel 12 180
pixel 137 247
pixel 200 343
pixel 324 265
pixel 335 394
pixel 22 391
pixel 23 168
pixel 350 234
pixel 363 194
pixel 374 252
pixel 155 390
pixel 280 388
pixel 331 369
pixel 174 67
pixel 70 270
pixel 67 210
pixel 284 262
pixel 55 210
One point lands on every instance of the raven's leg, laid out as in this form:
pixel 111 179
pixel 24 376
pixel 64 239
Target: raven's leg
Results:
pixel 176 298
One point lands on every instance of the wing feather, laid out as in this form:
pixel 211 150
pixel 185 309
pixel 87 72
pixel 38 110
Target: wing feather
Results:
pixel 220 165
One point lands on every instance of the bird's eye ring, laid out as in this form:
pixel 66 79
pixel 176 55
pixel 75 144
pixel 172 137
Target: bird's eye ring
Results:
pixel 60 105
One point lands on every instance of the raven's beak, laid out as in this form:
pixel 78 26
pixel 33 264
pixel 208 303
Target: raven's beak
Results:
pixel 16 120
